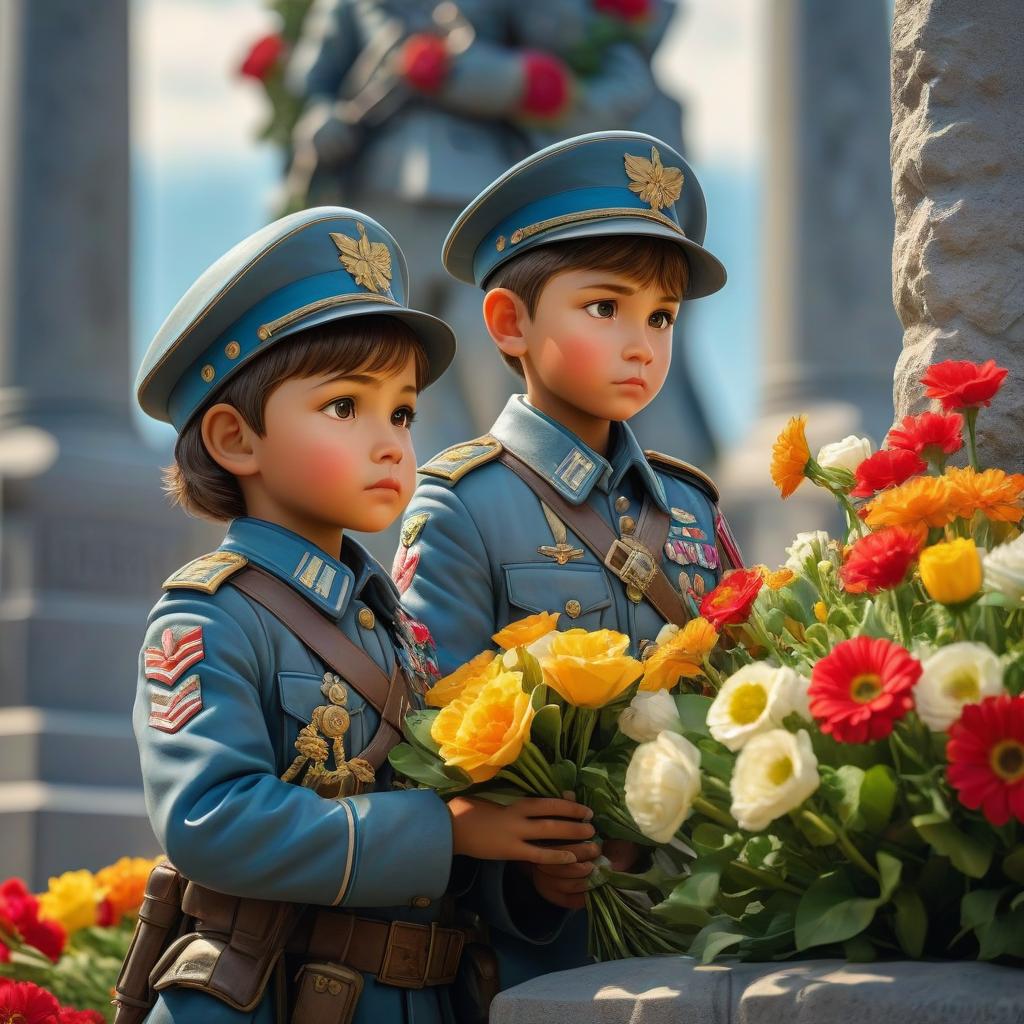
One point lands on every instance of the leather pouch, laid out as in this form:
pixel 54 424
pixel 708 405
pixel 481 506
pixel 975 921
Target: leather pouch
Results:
pixel 326 994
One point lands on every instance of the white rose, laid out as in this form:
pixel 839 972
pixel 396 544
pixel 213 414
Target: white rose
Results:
pixel 667 632
pixel 846 454
pixel 1004 569
pixel 753 700
pixel 662 781
pixel 648 714
pixel 774 774
pixel 955 675
pixel 804 546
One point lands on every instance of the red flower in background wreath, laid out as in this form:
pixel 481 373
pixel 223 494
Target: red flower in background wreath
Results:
pixel 859 690
pixel 424 62
pixel 263 57
pixel 19 907
pixel 21 1002
pixel 627 10
pixel 887 468
pixel 880 561
pixel 986 758
pixel 730 602
pixel 932 435
pixel 961 384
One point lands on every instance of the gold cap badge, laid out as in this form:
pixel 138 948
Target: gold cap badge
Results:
pixel 368 262
pixel 652 181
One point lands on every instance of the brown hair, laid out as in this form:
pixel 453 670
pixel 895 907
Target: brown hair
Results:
pixel 375 344
pixel 636 257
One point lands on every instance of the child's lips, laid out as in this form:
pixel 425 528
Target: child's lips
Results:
pixel 388 484
pixel 636 382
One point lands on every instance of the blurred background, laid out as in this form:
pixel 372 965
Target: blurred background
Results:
pixel 143 138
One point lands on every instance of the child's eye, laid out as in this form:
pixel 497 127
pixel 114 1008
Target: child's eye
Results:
pixel 341 408
pixel 661 319
pixel 403 417
pixel 603 309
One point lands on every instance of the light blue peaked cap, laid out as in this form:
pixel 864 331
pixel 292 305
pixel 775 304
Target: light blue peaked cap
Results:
pixel 309 268
pixel 590 186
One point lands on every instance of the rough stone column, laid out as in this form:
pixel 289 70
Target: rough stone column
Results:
pixel 85 534
pixel 958 190
pixel 830 337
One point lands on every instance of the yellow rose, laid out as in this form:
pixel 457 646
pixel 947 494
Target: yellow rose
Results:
pixel 589 670
pixel 71 901
pixel 525 631
pixel 484 731
pixel 951 571
pixel 466 677
pixel 679 657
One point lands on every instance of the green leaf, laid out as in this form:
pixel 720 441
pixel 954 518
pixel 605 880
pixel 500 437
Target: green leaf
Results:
pixel 878 797
pixel 715 937
pixel 416 728
pixel 979 907
pixel 841 788
pixel 564 774
pixel 911 923
pixel 693 713
pixel 427 771
pixel 546 730
pixel 967 853
pixel 1004 936
pixel 1013 864
pixel 700 889
pixel 530 667
pixel 860 950
pixel 890 868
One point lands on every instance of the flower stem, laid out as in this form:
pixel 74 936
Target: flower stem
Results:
pixel 972 440
pixel 709 810
pixel 765 877
pixel 853 853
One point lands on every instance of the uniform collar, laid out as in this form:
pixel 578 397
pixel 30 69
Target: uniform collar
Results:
pixel 322 579
pixel 570 466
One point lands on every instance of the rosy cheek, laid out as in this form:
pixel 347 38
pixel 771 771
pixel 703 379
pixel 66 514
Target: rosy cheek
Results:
pixel 321 464
pixel 581 355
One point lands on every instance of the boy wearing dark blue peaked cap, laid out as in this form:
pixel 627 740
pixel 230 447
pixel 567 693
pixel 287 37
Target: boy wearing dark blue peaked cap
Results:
pixel 586 251
pixel 276 670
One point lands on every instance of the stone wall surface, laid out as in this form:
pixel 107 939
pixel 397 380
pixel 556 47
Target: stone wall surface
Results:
pixel 958 190
pixel 677 990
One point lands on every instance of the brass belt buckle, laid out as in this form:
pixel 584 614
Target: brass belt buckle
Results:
pixel 405 965
pixel 632 563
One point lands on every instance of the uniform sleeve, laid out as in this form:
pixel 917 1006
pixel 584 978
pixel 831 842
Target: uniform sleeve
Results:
pixel 451 590
pixel 503 894
pixel 214 798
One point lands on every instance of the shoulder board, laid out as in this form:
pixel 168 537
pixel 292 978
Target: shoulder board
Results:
pixel 683 469
pixel 455 462
pixel 207 572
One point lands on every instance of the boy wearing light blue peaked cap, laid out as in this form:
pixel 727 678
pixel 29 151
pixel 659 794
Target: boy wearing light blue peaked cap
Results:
pixel 277 670
pixel 586 251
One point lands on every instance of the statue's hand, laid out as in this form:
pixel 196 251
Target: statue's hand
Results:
pixel 332 139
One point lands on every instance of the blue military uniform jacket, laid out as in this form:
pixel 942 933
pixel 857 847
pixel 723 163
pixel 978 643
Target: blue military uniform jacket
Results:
pixel 479 550
pixel 224 689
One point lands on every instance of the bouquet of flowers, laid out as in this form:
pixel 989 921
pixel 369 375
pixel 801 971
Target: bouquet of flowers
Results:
pixel 861 763
pixel 68 943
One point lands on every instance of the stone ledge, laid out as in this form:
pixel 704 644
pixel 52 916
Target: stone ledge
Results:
pixel 676 990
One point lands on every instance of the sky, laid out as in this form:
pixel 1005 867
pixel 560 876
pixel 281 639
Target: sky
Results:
pixel 201 181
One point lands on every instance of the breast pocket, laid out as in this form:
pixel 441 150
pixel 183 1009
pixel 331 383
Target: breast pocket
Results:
pixel 300 696
pixel 579 591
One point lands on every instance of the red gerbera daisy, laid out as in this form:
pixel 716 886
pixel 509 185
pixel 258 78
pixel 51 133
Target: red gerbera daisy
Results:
pixel 961 384
pixel 886 469
pixel 932 435
pixel 986 758
pixel 730 602
pixel 880 560
pixel 262 57
pixel 21 1002
pixel 862 687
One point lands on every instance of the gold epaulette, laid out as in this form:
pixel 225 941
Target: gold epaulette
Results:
pixel 207 572
pixel 455 462
pixel 679 468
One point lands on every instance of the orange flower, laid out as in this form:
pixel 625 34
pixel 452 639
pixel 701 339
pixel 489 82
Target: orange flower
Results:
pixel 790 456
pixel 523 632
pixel 776 579
pixel 124 885
pixel 921 502
pixel 473 674
pixel 993 492
pixel 680 656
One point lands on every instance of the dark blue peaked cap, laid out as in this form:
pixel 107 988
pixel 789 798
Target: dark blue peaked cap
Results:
pixel 591 186
pixel 306 269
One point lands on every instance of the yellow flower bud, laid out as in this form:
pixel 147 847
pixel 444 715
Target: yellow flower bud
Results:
pixel 951 571
pixel 820 611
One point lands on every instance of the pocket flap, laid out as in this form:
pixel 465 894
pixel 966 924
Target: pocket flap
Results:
pixel 545 587
pixel 301 695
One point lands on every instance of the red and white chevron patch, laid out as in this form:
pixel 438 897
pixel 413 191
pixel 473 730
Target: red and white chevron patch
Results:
pixel 168 712
pixel 178 652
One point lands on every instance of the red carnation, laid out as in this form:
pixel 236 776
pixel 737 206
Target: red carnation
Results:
pixel 961 384
pixel 986 757
pixel 546 89
pixel 263 57
pixel 886 469
pixel 932 435
pixel 859 690
pixel 25 1003
pixel 424 62
pixel 730 602
pixel 880 560
pixel 21 908
pixel 627 10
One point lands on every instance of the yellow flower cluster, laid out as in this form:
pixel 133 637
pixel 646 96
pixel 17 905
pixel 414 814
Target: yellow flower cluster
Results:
pixel 589 670
pixel 465 678
pixel 679 657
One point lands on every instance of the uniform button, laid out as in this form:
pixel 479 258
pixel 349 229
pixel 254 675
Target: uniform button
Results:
pixel 421 902
pixel 627 524
pixel 366 618
pixel 621 504
pixel 573 608
pixel 634 594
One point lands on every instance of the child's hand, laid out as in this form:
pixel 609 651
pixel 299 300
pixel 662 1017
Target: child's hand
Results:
pixel 565 885
pixel 490 831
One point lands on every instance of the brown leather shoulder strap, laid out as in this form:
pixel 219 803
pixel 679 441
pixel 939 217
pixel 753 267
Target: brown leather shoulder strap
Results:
pixel 326 639
pixel 613 551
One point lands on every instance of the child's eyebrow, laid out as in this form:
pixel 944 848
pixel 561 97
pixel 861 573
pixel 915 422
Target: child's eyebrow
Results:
pixel 358 378
pixel 625 290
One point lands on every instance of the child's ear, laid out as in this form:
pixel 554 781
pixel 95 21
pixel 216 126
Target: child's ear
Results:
pixel 229 440
pixel 506 318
